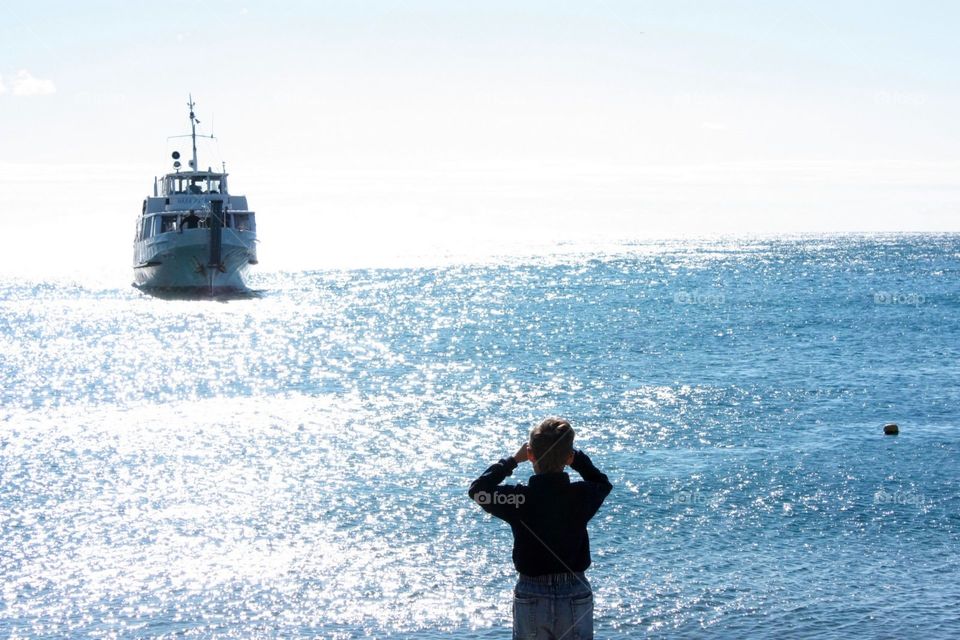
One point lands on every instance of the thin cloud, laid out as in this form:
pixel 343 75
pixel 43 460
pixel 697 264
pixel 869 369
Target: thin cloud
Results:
pixel 3 88
pixel 25 84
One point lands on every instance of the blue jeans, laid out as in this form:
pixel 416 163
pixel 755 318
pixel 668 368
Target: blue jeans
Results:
pixel 554 607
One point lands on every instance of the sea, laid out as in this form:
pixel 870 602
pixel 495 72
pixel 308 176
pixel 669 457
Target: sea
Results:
pixel 295 463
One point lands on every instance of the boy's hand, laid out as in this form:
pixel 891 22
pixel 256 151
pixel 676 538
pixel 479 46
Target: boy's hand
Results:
pixel 521 455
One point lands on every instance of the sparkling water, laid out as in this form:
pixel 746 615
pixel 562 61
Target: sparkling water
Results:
pixel 296 464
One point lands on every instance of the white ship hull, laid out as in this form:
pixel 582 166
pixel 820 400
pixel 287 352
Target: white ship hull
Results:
pixel 180 261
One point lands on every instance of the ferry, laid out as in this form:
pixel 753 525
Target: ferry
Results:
pixel 193 236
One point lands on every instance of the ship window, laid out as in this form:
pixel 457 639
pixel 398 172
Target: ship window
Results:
pixel 214 186
pixel 242 222
pixel 168 224
pixel 145 229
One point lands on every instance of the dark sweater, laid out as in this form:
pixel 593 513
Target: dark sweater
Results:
pixel 549 517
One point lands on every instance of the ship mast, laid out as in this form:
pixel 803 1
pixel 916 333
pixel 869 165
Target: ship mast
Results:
pixel 193 132
pixel 194 163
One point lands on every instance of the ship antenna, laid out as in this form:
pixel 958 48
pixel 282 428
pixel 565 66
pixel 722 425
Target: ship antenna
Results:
pixel 193 131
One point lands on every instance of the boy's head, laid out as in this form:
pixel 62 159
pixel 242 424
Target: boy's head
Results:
pixel 551 445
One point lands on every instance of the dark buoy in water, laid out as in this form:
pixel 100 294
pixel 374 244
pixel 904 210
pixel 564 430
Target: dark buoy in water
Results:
pixel 891 429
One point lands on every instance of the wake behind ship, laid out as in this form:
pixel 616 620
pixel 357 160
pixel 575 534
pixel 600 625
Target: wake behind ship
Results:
pixel 193 236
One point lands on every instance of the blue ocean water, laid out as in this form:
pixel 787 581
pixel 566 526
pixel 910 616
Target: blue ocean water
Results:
pixel 296 464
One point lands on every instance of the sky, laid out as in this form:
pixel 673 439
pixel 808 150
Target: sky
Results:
pixel 369 131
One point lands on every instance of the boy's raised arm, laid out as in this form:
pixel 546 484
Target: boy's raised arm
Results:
pixel 597 479
pixel 492 477
pixel 485 489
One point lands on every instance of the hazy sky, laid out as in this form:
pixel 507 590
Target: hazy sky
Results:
pixel 360 130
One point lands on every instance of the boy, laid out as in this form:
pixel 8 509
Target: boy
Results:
pixel 551 549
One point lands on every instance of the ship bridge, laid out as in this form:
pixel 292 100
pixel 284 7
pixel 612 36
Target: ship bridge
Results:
pixel 193 183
